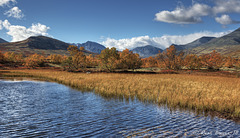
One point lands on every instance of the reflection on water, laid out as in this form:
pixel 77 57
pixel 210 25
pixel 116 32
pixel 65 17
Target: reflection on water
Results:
pixel 44 109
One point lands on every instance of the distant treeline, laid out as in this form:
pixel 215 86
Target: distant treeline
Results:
pixel 111 59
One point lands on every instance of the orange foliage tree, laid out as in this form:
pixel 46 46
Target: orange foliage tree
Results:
pixel 129 60
pixel 192 61
pixel 229 62
pixel 213 60
pixel 2 59
pixel 79 60
pixel 237 64
pixel 91 61
pixel 13 58
pixel 73 50
pixel 109 59
pixel 34 61
pixel 149 62
pixel 55 58
pixel 170 59
pixel 76 61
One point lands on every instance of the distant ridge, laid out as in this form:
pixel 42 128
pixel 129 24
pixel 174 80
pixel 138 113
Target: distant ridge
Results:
pixel 232 38
pixel 92 46
pixel 227 45
pixel 37 44
pixel 195 43
pixel 47 43
pixel 146 51
pixel 3 41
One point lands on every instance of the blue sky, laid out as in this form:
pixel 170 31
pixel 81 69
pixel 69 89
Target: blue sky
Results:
pixel 119 23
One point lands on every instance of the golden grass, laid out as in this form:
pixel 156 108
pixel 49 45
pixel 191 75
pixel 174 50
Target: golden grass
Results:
pixel 204 93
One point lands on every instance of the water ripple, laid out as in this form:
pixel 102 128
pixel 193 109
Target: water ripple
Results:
pixel 44 109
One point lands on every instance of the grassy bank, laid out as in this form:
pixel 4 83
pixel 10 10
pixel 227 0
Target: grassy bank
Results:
pixel 203 93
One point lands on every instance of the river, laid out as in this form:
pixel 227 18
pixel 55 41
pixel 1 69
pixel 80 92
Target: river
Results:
pixel 47 109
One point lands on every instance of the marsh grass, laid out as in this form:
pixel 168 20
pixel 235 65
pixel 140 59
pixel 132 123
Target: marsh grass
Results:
pixel 201 93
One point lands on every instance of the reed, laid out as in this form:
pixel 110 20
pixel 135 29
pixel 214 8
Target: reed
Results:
pixel 202 93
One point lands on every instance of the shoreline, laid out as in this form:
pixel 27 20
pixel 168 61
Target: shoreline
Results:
pixel 173 93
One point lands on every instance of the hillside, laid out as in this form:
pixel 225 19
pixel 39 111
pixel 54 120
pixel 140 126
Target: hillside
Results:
pixel 146 51
pixel 195 43
pixel 3 41
pixel 92 46
pixel 39 44
pixel 226 45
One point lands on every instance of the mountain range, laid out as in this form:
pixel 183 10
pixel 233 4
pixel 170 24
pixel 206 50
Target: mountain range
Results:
pixel 146 51
pixel 37 44
pixel 91 46
pixel 195 43
pixel 3 41
pixel 226 45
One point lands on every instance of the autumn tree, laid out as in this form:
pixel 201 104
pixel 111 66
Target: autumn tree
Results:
pixel 171 59
pixel 13 58
pixel 9 56
pixel 82 49
pixel 34 61
pixel 213 60
pixel 67 64
pixel 18 58
pixel 129 60
pixel 77 60
pixel 73 50
pixel 192 61
pixel 149 62
pixel 229 62
pixel 237 64
pixel 2 59
pixel 91 61
pixel 109 59
pixel 55 58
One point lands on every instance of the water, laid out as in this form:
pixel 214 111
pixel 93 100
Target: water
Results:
pixel 45 109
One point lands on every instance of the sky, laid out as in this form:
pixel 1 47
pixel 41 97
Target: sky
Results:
pixel 119 23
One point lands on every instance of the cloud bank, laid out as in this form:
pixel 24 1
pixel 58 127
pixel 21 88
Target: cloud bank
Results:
pixel 14 12
pixel 160 42
pixel 194 13
pixel 19 33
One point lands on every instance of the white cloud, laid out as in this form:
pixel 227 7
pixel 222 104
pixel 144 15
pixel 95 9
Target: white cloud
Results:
pixel 1 27
pixel 226 6
pixel 19 33
pixel 194 13
pixel 6 2
pixel 225 19
pixel 6 24
pixel 160 42
pixel 182 15
pixel 14 12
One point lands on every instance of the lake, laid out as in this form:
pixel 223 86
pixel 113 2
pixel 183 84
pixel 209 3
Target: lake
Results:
pixel 46 109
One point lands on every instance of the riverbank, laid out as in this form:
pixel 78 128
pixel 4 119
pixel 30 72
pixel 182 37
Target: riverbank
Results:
pixel 202 93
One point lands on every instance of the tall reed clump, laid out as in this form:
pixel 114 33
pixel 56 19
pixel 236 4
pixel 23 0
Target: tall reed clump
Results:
pixel 204 93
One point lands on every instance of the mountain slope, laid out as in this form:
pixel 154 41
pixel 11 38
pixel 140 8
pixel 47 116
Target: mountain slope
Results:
pixel 39 44
pixel 226 45
pixel 43 42
pixel 229 39
pixel 146 51
pixel 3 41
pixel 195 43
pixel 92 46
